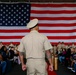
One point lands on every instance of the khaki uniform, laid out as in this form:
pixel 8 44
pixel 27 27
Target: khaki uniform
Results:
pixel 34 45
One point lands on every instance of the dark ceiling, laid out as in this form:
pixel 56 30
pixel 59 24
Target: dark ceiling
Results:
pixel 38 0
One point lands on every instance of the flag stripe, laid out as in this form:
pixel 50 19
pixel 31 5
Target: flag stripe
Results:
pixel 55 18
pixel 49 37
pixel 54 12
pixel 47 34
pixel 53 5
pixel 56 21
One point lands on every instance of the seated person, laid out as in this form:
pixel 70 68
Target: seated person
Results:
pixel 2 64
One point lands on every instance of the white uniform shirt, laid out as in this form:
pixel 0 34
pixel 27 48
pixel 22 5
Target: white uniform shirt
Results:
pixel 34 44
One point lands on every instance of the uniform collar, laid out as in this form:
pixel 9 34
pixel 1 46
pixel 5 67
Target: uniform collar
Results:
pixel 34 31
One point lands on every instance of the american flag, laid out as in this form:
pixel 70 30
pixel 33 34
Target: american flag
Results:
pixel 56 20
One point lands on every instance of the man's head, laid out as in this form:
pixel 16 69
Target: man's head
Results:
pixel 33 24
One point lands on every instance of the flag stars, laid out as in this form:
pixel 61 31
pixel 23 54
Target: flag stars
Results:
pixel 12 15
pixel 21 23
pixel 14 21
pixel 1 5
pixel 24 17
pixel 6 14
pixel 19 8
pixel 11 24
pixel 3 16
pixel 14 12
pixel 19 12
pixel 17 15
pixel 24 12
pixel 3 21
pixel 9 8
pixel 27 5
pixel 0 24
pixel 27 10
pixel 9 12
pixel 6 5
pixel 1 10
pixel 6 24
pixel 14 7
pixel 22 5
pixel 8 21
pixel 11 19
pixel 11 5
pixel 16 24
pixel 4 8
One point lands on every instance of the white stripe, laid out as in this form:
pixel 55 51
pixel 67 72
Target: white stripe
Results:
pixel 52 40
pixel 47 34
pixel 52 8
pixel 52 15
pixel 57 40
pixel 13 28
pixel 57 21
pixel 8 40
pixel 40 28
pixel 57 28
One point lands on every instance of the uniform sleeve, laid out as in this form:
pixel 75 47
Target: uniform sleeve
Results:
pixel 47 44
pixel 21 47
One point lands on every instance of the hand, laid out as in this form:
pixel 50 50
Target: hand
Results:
pixel 51 67
pixel 23 67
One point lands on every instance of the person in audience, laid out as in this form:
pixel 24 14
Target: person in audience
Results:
pixel 1 44
pixel 62 45
pixel 5 56
pixel 35 45
pixel 67 57
pixel 59 47
pixel 73 45
pixel 2 65
pixel 73 61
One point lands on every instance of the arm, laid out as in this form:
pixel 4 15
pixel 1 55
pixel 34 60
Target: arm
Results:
pixel 49 57
pixel 21 55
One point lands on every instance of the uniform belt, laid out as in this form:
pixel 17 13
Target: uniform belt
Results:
pixel 34 58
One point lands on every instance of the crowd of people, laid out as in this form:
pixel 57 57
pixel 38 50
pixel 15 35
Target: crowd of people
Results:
pixel 66 55
pixel 8 56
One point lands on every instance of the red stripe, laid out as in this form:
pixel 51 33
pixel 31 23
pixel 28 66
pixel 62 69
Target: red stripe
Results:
pixel 42 31
pixel 53 43
pixel 11 37
pixel 53 12
pixel 55 18
pixel 13 31
pixel 49 37
pixel 8 43
pixel 57 31
pixel 61 37
pixel 53 5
